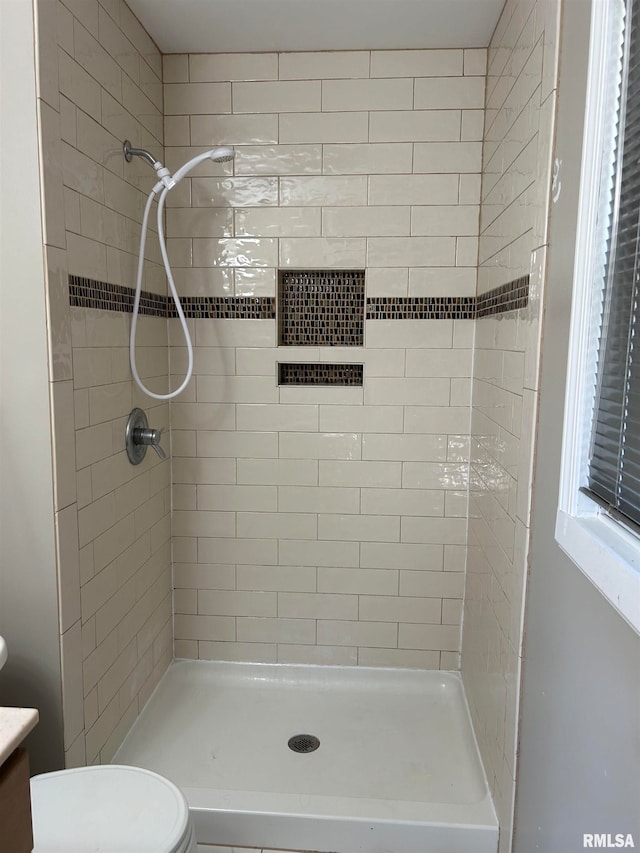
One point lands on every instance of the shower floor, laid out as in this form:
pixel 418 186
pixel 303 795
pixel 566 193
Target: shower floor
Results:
pixel 397 770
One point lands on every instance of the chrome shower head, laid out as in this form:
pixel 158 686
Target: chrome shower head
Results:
pixel 222 154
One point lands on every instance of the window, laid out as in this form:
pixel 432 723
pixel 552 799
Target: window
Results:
pixel 614 455
pixel 598 521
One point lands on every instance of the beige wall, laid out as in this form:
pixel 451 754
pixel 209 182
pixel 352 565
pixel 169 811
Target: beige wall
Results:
pixel 324 525
pixel 516 183
pixel 100 82
pixel 28 593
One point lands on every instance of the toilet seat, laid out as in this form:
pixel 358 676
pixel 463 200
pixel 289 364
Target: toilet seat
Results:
pixel 109 809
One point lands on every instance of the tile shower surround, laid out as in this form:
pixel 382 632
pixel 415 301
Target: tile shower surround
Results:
pixel 397 155
pixel 99 80
pixel 313 523
pixel 497 302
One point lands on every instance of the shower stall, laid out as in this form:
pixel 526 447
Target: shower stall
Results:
pixel 336 317
pixel 393 762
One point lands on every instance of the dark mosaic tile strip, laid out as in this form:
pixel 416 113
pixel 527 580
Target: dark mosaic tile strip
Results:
pixel 508 297
pixel 89 293
pixel 317 308
pixel 319 374
pixel 421 308
pixel 321 308
pixel 226 307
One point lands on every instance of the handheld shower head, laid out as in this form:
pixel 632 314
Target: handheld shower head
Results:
pixel 222 154
pixel 166 182
pixel 218 155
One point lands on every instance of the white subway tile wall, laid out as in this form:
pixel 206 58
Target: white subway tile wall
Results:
pixel 516 182
pixel 99 82
pixel 297 528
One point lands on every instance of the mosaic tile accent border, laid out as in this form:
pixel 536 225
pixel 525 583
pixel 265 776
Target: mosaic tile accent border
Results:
pixel 226 307
pixel 306 304
pixel 421 308
pixel 508 297
pixel 321 308
pixel 319 374
pixel 89 293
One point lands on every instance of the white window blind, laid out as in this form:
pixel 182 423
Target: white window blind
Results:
pixel 613 477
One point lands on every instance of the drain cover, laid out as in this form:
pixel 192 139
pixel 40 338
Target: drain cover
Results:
pixel 304 743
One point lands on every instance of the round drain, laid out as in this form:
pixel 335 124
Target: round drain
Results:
pixel 304 743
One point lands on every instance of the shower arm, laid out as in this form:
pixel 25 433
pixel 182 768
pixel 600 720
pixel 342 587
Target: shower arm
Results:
pixel 130 152
pixel 163 173
pixel 219 155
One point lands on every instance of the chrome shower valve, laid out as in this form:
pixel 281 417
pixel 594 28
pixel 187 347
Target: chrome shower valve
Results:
pixel 139 435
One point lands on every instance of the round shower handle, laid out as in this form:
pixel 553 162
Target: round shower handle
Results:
pixel 151 438
pixel 139 435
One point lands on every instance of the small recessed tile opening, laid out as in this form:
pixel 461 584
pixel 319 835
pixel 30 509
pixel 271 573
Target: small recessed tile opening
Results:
pixel 305 373
pixel 321 308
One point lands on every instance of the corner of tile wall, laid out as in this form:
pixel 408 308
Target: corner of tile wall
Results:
pixel 516 181
pixel 100 81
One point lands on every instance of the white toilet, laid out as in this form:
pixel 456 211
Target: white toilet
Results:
pixel 109 809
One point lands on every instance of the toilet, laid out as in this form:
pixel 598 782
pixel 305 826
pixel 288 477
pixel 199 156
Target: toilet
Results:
pixel 109 809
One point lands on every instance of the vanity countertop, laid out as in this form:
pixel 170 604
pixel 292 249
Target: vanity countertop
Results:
pixel 15 725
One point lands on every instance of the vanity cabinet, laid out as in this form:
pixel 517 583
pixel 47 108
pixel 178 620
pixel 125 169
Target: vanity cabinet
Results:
pixel 16 834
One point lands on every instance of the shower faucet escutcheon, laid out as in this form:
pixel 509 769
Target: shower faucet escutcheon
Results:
pixel 139 435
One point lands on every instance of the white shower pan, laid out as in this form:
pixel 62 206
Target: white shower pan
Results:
pixel 397 769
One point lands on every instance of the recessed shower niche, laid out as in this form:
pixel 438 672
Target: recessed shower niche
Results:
pixel 321 308
pixel 320 374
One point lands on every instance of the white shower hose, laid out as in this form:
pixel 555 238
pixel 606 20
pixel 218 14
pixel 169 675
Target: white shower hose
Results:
pixel 136 305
